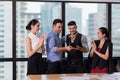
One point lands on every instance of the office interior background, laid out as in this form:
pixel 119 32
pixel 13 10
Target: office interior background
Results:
pixel 15 14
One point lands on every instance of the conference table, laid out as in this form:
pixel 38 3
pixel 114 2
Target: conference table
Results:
pixel 84 76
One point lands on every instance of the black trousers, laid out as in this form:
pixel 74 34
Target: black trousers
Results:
pixel 75 66
pixel 35 64
pixel 54 67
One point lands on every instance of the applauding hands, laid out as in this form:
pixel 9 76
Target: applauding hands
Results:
pixel 93 46
pixel 41 39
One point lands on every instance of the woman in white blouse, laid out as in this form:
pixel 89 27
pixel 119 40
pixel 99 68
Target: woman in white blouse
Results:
pixel 35 47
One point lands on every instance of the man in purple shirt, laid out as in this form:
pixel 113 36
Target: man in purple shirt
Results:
pixel 54 47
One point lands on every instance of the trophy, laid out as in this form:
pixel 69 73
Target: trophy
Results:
pixel 71 42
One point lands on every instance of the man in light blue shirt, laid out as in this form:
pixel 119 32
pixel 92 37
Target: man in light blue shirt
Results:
pixel 54 47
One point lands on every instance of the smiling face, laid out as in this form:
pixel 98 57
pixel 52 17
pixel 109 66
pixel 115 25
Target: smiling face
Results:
pixel 35 28
pixel 72 29
pixel 100 35
pixel 58 27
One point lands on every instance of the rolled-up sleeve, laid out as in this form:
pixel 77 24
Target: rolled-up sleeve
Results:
pixel 52 44
pixel 84 43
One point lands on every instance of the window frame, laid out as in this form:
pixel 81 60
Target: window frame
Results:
pixel 14 60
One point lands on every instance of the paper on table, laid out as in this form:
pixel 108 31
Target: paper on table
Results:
pixel 114 76
pixel 84 77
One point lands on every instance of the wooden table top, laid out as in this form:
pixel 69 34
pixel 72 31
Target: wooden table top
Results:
pixel 85 76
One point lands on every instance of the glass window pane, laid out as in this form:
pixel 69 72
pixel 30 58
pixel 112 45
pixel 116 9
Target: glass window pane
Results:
pixel 88 17
pixel 6 71
pixel 5 29
pixel 21 69
pixel 116 29
pixel 45 12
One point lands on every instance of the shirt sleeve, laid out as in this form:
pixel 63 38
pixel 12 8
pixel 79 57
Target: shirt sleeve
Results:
pixel 84 42
pixel 52 44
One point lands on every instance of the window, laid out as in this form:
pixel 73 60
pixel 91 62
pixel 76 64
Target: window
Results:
pixel 6 71
pixel 21 70
pixel 6 29
pixel 116 29
pixel 88 16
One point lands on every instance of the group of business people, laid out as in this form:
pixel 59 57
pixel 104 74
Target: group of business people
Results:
pixel 76 45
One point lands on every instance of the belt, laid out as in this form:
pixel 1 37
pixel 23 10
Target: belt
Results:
pixel 53 62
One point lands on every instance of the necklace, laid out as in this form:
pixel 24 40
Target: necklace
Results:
pixel 72 37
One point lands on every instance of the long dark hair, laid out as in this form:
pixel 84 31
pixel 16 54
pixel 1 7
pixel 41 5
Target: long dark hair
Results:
pixel 32 22
pixel 104 31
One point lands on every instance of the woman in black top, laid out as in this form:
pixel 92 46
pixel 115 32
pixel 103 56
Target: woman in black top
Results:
pixel 101 52
pixel 35 47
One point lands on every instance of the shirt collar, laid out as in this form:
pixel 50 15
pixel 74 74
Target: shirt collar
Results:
pixel 57 34
pixel 32 34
